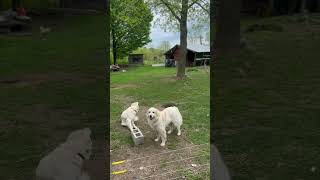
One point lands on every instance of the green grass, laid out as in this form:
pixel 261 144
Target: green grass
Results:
pixel 61 88
pixel 266 122
pixel 152 86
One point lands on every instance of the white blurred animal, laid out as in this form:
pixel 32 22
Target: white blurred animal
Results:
pixel 129 116
pixel 66 161
pixel 44 31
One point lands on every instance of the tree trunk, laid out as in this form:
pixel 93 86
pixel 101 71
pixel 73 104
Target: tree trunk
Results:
pixel 15 4
pixel 181 66
pixel 303 6
pixel 114 48
pixel 271 8
pixel 228 27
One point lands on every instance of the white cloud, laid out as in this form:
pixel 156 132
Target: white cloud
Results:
pixel 158 35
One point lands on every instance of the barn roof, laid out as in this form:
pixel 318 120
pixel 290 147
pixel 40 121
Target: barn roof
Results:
pixel 193 48
pixel 199 48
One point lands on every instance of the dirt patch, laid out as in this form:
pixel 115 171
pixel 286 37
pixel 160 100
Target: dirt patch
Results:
pixel 123 86
pixel 145 161
pixel 35 79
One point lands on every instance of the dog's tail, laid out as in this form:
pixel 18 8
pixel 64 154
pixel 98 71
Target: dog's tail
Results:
pixel 170 104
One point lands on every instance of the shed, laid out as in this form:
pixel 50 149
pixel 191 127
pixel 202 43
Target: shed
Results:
pixel 196 55
pixel 135 58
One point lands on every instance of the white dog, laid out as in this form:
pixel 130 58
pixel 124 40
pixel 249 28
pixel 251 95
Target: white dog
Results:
pixel 129 116
pixel 159 120
pixel 66 161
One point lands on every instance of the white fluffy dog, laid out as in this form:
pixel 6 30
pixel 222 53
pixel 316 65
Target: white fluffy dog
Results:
pixel 129 116
pixel 159 120
pixel 66 161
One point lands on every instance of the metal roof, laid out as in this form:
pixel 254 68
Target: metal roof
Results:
pixel 199 48
pixel 194 48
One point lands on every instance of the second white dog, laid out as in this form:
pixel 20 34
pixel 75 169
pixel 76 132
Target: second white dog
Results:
pixel 159 120
pixel 129 116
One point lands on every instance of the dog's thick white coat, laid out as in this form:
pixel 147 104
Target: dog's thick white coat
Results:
pixel 65 162
pixel 129 116
pixel 159 120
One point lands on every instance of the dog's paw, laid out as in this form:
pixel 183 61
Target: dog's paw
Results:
pixel 169 132
pixel 162 144
pixel 179 133
pixel 156 140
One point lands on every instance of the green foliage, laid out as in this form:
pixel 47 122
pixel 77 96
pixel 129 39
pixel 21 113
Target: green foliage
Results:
pixel 151 55
pixel 165 45
pixel 130 25
pixel 40 3
pixel 5 4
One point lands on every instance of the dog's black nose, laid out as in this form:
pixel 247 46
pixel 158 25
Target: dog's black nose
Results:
pixel 150 116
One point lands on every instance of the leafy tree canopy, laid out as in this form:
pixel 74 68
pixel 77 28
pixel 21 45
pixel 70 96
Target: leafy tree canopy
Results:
pixel 130 25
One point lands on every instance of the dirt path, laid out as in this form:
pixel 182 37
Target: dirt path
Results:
pixel 140 165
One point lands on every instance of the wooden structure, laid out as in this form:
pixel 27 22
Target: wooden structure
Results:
pixel 39 4
pixel 196 55
pixel 277 7
pixel 83 4
pixel 135 58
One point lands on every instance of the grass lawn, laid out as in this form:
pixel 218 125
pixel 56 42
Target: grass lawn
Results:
pixel 49 88
pixel 152 86
pixel 267 103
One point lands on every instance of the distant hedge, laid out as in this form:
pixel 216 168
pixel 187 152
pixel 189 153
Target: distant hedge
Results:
pixel 6 4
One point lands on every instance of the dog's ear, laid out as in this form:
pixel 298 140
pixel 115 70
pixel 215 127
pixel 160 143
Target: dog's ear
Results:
pixel 135 104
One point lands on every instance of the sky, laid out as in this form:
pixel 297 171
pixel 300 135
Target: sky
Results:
pixel 158 35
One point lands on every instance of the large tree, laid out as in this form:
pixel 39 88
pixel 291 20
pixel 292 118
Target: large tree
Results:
pixel 130 26
pixel 176 14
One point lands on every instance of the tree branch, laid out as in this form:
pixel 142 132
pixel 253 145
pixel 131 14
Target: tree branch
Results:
pixel 194 2
pixel 199 4
pixel 170 9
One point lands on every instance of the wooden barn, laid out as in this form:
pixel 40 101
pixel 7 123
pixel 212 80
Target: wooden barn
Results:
pixel 135 58
pixel 196 55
